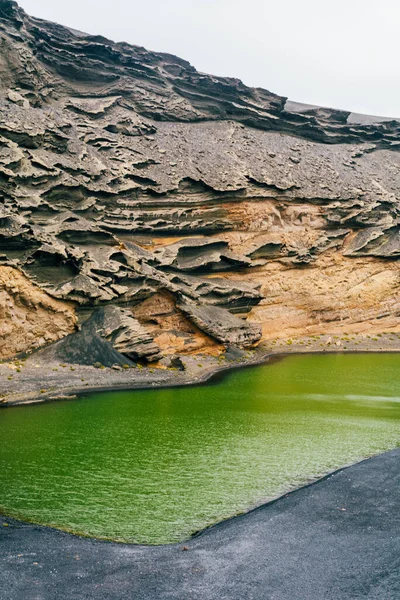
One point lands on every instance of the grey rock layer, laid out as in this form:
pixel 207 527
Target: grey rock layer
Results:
pixel 124 333
pixel 220 324
pixel 107 337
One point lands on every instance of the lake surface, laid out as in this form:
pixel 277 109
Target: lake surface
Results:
pixel 155 466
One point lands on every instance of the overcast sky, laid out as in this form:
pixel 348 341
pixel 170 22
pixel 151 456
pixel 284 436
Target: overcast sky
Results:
pixel 337 53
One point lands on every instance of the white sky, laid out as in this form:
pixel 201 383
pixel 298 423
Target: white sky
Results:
pixel 337 53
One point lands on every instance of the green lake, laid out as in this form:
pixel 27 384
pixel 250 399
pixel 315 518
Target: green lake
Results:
pixel 155 466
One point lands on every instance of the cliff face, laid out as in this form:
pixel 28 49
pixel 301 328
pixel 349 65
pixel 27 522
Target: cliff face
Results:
pixel 29 317
pixel 213 213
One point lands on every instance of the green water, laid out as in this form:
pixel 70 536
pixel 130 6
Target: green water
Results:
pixel 154 466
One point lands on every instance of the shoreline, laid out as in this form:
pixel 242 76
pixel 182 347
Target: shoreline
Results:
pixel 27 382
pixel 263 504
pixel 346 508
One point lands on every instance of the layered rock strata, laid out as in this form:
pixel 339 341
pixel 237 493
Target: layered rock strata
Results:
pixel 107 338
pixel 186 202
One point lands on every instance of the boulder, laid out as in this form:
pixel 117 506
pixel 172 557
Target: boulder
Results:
pixel 119 327
pixel 222 325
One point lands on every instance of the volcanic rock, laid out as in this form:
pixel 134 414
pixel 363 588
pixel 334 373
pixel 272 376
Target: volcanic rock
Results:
pixel 198 254
pixel 127 178
pixel 222 325
pixel 29 318
pixel 110 336
pixel 124 333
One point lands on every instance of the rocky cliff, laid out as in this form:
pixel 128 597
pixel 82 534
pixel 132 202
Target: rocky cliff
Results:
pixel 206 213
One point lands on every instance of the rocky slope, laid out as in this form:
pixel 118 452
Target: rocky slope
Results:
pixel 202 212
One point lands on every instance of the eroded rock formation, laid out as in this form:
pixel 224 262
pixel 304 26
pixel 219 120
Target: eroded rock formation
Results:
pixel 130 180
pixel 29 318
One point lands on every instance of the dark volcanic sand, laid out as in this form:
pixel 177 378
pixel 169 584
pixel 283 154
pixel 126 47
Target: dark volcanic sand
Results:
pixel 337 539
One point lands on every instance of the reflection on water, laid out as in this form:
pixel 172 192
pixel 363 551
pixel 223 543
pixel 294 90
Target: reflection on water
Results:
pixel 154 466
